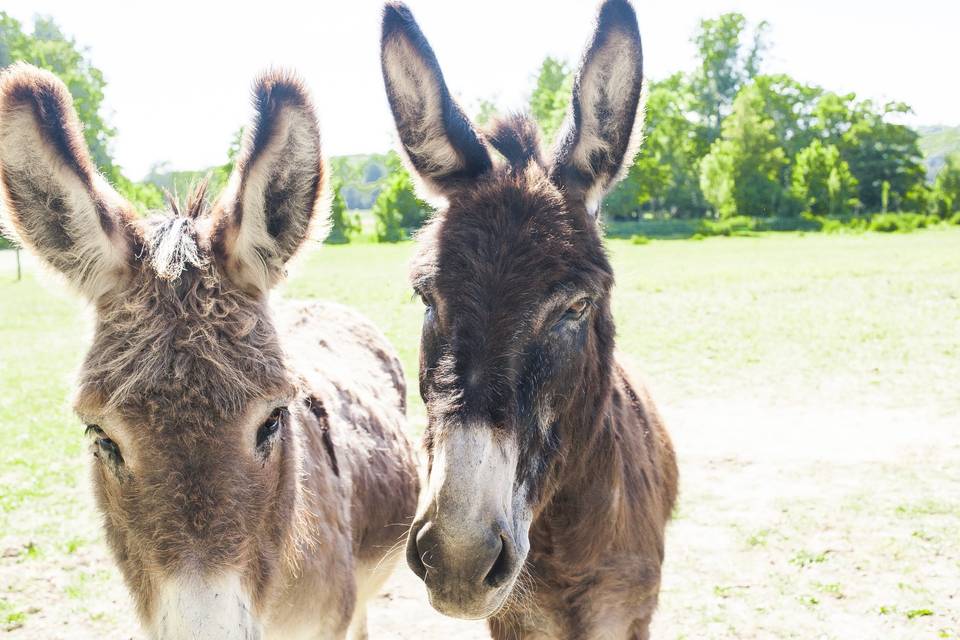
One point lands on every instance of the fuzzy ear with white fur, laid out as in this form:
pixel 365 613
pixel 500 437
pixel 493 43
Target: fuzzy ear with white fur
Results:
pixel 600 137
pixel 438 139
pixel 271 200
pixel 54 202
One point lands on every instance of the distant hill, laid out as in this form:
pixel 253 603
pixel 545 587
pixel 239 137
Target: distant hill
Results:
pixel 937 143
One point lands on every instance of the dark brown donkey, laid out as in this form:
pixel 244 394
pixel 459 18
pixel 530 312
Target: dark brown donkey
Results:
pixel 252 478
pixel 551 475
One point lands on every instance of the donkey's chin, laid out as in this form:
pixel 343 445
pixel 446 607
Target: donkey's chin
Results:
pixel 469 605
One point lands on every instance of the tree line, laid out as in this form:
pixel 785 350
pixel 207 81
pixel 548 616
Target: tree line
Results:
pixel 722 142
pixel 726 141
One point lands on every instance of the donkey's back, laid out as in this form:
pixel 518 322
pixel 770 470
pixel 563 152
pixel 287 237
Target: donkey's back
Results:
pixel 356 445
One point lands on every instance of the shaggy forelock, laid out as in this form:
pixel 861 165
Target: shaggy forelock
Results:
pixel 173 243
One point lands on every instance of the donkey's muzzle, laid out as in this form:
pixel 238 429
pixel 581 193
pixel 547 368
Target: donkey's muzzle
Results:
pixel 467 576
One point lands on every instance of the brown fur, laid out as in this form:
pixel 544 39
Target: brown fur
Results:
pixel 188 360
pixel 605 488
pixel 499 267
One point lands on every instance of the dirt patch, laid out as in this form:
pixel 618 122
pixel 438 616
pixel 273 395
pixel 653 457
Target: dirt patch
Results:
pixel 802 523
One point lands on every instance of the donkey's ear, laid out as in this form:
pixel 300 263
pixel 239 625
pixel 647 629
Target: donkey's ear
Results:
pixel 270 201
pixel 603 128
pixel 54 201
pixel 439 141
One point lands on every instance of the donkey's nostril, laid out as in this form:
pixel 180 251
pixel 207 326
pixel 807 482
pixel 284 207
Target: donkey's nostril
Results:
pixel 414 559
pixel 503 566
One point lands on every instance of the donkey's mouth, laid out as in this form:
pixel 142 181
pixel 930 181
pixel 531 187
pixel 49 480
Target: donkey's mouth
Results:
pixel 468 604
pixel 464 579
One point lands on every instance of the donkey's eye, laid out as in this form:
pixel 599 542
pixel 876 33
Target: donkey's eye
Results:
pixel 577 310
pixel 272 425
pixel 429 307
pixel 105 448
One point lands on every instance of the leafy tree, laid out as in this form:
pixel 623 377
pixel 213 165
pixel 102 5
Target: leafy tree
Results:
pixel 791 107
pixel 486 112
pixel 342 225
pixel 822 181
pixel 144 195
pixel 660 176
pixel 717 179
pixel 397 207
pixel 877 149
pixel 946 188
pixel 49 49
pixel 729 59
pixel 684 117
pixel 551 96
pixel 881 151
pixel 741 174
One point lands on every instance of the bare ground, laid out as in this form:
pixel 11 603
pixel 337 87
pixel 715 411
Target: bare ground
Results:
pixel 794 522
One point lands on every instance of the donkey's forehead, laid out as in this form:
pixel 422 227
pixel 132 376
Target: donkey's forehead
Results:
pixel 514 232
pixel 166 347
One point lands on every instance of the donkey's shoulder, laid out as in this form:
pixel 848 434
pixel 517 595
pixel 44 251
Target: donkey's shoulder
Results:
pixel 343 347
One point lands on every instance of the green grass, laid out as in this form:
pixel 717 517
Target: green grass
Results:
pixel 788 317
pixel 787 320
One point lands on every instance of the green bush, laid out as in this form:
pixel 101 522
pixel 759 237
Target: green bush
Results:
pixel 639 239
pixel 791 223
pixel 397 208
pixel 734 226
pixel 901 222
pixel 832 225
pixel 342 225
pixel 955 219
pixel 887 223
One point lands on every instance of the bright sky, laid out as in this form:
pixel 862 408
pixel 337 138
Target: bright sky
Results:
pixel 179 72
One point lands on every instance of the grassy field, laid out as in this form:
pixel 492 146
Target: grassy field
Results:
pixel 811 384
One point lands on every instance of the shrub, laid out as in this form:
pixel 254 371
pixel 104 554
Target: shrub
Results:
pixel 901 222
pixel 946 188
pixel 822 180
pixel 735 226
pixel 342 225
pixel 389 222
pixel 832 225
pixel 397 207
pixel 886 223
pixel 639 239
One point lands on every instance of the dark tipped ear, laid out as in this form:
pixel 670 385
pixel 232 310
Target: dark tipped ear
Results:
pixel 599 139
pixel 270 202
pixel 54 201
pixel 439 141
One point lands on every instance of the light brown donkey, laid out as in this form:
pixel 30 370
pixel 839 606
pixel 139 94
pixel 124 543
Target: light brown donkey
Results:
pixel 552 476
pixel 251 478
